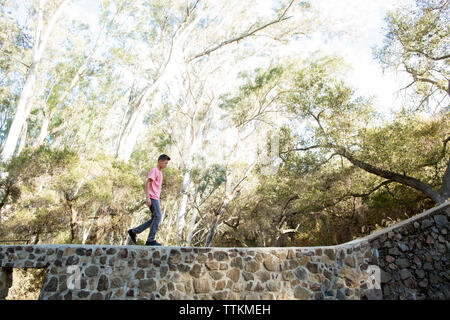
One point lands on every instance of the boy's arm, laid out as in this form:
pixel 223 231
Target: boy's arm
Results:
pixel 150 177
pixel 149 180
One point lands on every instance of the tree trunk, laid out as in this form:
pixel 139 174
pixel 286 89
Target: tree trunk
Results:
pixel 48 114
pixel 22 112
pixel 180 222
pixel 135 123
pixel 224 204
pixel 444 191
pixel 43 131
pixel 26 96
pixel 438 196
pixel 229 197
pixel 87 230
pixel 197 139
pixel 129 135
pixel 73 224
pixel 23 137
pixel 192 224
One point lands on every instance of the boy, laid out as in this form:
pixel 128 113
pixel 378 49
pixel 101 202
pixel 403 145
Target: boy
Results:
pixel 152 192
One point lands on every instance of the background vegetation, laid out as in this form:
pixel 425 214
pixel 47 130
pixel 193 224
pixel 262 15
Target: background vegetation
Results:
pixel 86 112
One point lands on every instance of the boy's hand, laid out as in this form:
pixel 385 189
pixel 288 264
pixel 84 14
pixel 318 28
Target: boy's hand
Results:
pixel 148 201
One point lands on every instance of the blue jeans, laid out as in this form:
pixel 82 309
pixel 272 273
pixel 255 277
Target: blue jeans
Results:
pixel 152 223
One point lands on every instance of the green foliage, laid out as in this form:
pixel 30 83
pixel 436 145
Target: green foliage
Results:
pixel 410 145
pixel 317 94
pixel 82 195
pixel 54 196
pixel 29 165
pixel 417 41
pixel 241 107
pixel 209 179
pixel 317 197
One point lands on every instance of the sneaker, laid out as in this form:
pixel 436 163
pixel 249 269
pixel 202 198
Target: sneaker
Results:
pixel 132 235
pixel 153 243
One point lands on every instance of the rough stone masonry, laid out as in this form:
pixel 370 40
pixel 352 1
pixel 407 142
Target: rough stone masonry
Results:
pixel 409 260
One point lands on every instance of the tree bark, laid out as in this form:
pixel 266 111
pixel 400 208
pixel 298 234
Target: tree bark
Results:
pixel 180 222
pixel 23 137
pixel 193 220
pixel 134 124
pixel 22 112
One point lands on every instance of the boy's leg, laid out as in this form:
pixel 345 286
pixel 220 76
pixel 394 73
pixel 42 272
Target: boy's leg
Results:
pixel 145 225
pixel 156 217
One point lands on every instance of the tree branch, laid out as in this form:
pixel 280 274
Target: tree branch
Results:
pixel 428 56
pixel 242 36
pixel 436 196
pixel 306 148
pixel 403 179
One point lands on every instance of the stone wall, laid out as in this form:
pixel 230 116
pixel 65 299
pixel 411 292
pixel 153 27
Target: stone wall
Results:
pixel 414 257
pixel 134 272
pixel 406 261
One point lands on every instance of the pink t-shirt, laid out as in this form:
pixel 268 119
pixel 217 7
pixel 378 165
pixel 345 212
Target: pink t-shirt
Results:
pixel 154 189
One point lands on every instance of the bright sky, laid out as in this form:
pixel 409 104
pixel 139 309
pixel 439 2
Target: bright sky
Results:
pixel 365 21
pixel 364 18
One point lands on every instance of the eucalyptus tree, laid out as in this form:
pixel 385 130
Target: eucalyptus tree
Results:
pixel 192 111
pixel 14 43
pixel 80 64
pixel 254 107
pixel 46 17
pixel 73 74
pixel 179 32
pixel 186 84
